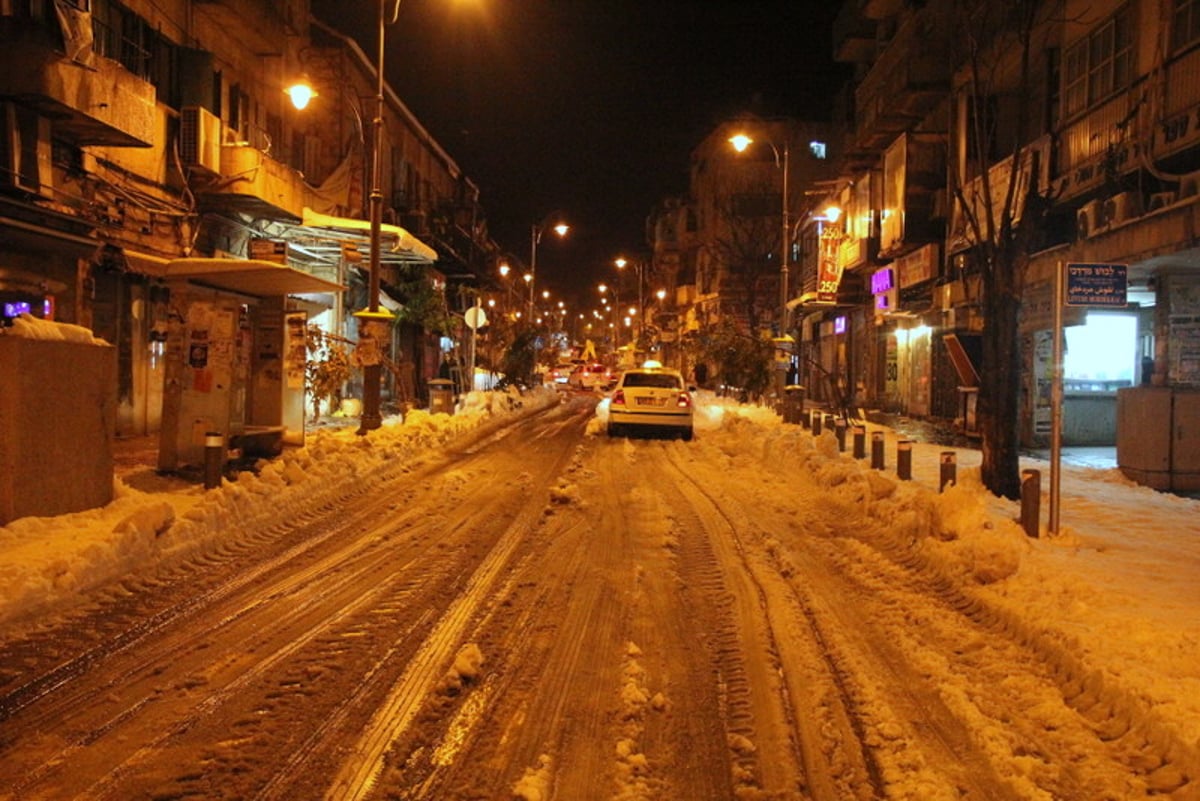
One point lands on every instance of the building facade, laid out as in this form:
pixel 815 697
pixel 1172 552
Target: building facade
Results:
pixel 153 172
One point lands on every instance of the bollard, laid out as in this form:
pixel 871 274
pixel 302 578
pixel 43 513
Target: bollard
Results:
pixel 949 463
pixel 860 442
pixel 840 431
pixel 214 458
pixel 1031 501
pixel 904 460
pixel 876 450
pixel 816 423
pixel 805 419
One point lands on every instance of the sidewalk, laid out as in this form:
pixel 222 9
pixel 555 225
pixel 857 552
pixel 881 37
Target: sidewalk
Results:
pixel 937 432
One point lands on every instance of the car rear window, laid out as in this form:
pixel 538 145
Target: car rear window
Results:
pixel 596 368
pixel 660 380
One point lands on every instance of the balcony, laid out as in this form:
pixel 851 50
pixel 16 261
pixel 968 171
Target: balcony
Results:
pixel 251 182
pixel 907 81
pixel 101 104
pixel 264 36
pixel 913 182
pixel 853 36
pixel 880 9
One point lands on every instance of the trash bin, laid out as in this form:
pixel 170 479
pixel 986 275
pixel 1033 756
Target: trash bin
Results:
pixel 441 396
pixel 793 403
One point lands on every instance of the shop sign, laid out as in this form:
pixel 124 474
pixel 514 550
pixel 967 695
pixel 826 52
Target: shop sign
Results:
pixel 916 267
pixel 883 287
pixel 272 250
pixel 829 273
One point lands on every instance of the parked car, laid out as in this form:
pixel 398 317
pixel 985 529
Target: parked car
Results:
pixel 651 399
pixel 591 376
pixel 557 376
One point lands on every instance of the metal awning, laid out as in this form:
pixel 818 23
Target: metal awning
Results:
pixel 396 244
pixel 249 277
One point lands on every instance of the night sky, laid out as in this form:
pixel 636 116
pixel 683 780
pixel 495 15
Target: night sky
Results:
pixel 592 107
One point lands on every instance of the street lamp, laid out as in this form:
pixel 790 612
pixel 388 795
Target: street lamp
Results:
pixel 740 142
pixel 535 237
pixel 373 323
pixel 621 263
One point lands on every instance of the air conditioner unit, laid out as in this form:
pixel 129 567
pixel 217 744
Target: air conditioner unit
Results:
pixel 200 139
pixel 1087 220
pixel 1160 200
pixel 1122 207
pixel 1189 185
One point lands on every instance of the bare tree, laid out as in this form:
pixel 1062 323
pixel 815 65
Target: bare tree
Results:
pixel 747 249
pixel 998 209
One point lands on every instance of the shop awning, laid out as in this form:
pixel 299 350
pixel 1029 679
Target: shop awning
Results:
pixel 394 240
pixel 249 277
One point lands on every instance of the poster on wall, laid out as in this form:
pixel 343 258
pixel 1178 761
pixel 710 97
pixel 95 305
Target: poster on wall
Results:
pixel 221 348
pixel 891 383
pixel 295 349
pixel 1185 351
pixel 199 326
pixel 1043 382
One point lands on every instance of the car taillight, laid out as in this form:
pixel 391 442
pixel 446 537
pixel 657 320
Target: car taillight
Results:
pixel 619 397
pixel 685 400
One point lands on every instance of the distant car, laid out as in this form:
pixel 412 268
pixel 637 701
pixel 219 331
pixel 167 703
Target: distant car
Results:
pixel 559 374
pixel 590 376
pixel 651 399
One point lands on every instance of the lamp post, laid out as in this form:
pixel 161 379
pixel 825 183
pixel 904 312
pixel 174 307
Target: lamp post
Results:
pixel 535 237
pixel 374 323
pixel 740 142
pixel 621 263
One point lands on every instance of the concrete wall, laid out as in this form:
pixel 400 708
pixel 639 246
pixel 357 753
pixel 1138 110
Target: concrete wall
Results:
pixel 57 425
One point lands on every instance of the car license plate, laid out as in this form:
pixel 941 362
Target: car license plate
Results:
pixel 651 401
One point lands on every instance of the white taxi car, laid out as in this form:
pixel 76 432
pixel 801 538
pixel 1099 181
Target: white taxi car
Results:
pixel 650 399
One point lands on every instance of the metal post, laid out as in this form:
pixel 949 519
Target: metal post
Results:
pixel 534 236
pixel 214 458
pixel 877 450
pixel 785 236
pixel 949 470
pixel 372 370
pixel 840 430
pixel 904 460
pixel 817 417
pixel 1056 399
pixel 860 442
pixel 1031 501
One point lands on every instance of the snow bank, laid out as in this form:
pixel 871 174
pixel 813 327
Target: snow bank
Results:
pixel 49 562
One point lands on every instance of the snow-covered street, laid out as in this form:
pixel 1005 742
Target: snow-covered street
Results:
pixel 508 604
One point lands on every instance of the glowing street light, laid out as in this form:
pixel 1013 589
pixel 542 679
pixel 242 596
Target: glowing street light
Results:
pixel 535 237
pixel 740 142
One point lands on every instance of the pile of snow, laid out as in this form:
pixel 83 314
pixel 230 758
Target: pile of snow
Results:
pixel 27 326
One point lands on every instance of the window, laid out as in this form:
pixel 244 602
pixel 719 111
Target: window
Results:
pixel 1101 355
pixel 1099 64
pixel 1185 24
pixel 817 149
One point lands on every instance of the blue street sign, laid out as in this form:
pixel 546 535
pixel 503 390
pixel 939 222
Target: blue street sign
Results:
pixel 1097 284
